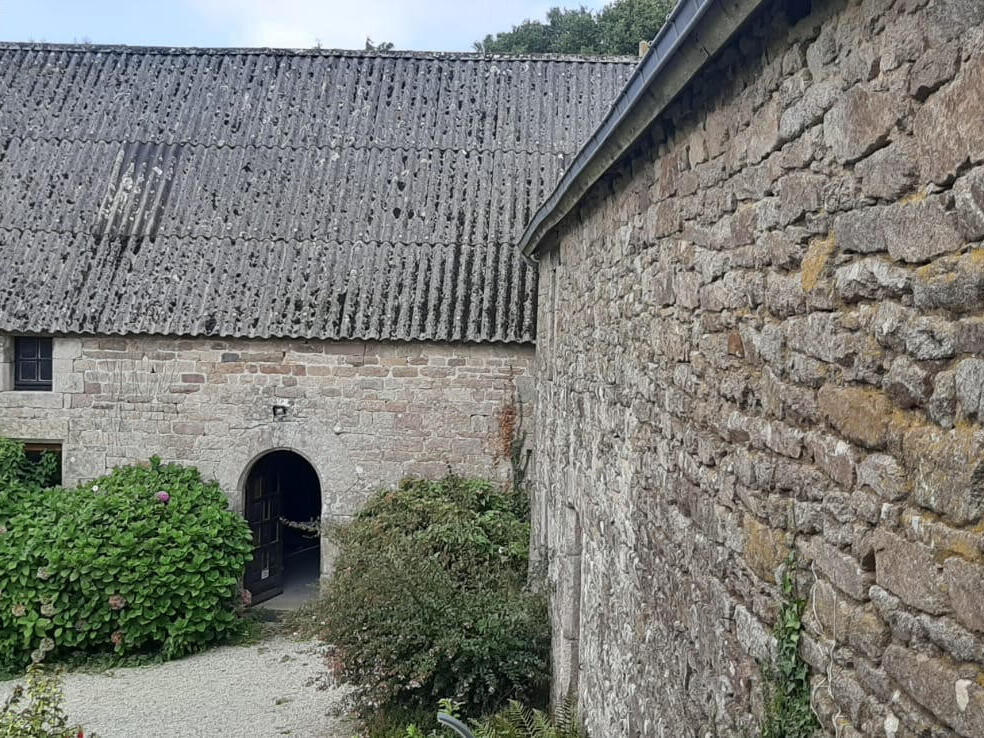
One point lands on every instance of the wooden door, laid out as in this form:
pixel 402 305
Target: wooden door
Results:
pixel 264 577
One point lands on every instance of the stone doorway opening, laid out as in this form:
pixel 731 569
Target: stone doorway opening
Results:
pixel 282 504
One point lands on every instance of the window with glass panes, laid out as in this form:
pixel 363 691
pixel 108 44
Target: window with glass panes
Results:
pixel 32 363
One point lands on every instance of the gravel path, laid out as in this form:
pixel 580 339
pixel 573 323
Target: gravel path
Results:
pixel 277 687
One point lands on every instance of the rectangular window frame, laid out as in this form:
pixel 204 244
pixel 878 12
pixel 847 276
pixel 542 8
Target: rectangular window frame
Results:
pixel 33 364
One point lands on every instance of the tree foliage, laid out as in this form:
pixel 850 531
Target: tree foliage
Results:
pixel 616 29
pixel 381 46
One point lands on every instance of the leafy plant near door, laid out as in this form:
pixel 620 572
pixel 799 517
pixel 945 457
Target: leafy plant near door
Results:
pixel 428 600
pixel 143 559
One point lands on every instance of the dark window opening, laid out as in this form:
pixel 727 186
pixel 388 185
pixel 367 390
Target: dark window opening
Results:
pixel 48 457
pixel 32 364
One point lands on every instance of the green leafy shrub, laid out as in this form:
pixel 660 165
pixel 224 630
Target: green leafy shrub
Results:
pixel 143 559
pixel 428 600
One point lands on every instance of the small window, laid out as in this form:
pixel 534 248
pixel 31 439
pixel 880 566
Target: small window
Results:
pixel 32 364
pixel 48 456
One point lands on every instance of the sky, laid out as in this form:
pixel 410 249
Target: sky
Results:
pixel 432 25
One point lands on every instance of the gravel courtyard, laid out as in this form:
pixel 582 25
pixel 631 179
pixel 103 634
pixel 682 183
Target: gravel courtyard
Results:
pixel 273 688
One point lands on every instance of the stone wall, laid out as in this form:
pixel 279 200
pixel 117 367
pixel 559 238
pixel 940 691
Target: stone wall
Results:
pixel 364 414
pixel 763 332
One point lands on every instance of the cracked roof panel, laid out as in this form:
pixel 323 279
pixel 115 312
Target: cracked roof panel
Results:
pixel 264 193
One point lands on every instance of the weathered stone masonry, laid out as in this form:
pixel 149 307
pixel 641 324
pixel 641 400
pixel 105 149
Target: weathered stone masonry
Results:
pixel 364 414
pixel 763 331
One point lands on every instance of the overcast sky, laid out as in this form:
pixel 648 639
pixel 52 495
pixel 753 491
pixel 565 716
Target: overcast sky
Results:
pixel 436 25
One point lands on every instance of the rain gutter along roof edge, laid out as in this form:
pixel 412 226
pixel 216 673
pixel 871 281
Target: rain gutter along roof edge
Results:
pixel 694 32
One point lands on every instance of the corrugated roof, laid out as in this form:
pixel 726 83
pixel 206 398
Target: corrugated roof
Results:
pixel 314 194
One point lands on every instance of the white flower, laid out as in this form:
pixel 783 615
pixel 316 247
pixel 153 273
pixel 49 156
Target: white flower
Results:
pixel 95 488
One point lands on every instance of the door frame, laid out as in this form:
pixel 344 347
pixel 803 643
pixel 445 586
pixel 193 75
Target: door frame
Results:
pixel 241 490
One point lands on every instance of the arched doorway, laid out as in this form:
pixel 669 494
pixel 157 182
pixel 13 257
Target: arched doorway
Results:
pixel 282 486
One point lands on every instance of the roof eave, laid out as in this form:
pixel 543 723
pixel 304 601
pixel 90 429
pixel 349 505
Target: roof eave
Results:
pixel 695 31
pixel 313 51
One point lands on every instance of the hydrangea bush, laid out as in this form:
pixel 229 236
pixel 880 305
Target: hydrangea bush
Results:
pixel 144 559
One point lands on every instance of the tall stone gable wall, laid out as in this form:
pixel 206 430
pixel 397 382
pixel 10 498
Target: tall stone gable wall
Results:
pixel 763 332
pixel 364 414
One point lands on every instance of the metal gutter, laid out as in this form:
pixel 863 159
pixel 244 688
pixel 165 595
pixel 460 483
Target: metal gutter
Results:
pixel 693 33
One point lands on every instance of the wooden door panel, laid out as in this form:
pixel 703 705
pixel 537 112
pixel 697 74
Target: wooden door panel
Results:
pixel 265 573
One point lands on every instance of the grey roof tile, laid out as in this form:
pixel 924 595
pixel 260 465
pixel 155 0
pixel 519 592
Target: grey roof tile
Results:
pixel 272 193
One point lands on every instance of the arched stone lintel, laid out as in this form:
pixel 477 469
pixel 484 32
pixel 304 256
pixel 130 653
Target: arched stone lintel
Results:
pixel 315 443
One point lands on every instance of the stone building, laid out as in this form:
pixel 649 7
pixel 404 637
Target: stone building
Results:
pixel 761 328
pixel 294 270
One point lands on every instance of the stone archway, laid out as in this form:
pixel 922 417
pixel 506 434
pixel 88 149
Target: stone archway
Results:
pixel 282 486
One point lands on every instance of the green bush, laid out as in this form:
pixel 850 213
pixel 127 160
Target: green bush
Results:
pixel 428 599
pixel 144 559
pixel 36 712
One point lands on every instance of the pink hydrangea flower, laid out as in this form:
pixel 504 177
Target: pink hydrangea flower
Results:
pixel 117 602
pixel 117 638
pixel 162 496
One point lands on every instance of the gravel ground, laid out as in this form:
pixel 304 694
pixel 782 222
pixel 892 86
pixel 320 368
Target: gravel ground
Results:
pixel 276 687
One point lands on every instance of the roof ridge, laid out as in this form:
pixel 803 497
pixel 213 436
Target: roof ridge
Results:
pixel 355 53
